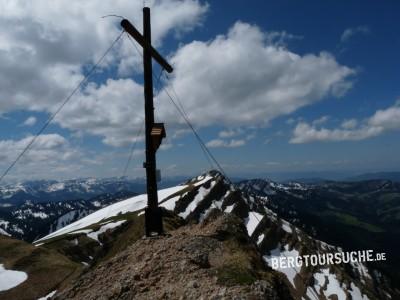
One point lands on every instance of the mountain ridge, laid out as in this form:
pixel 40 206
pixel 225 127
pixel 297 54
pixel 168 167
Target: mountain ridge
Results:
pixel 97 239
pixel 197 198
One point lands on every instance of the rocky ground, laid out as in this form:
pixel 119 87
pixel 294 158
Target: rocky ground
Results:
pixel 211 260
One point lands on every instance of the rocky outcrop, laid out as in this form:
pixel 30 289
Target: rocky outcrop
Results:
pixel 211 260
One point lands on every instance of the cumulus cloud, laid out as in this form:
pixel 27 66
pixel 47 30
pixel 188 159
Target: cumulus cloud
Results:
pixel 219 143
pixel 386 118
pixel 306 133
pixel 351 130
pixel 39 150
pixel 245 77
pixel 350 32
pixel 230 133
pixel 241 79
pixel 238 79
pixel 349 124
pixel 321 120
pixel 113 110
pixel 30 121
pixel 48 154
pixel 45 45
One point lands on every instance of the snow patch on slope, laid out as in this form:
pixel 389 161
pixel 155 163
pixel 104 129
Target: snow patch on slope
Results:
pixel 3 232
pixel 356 293
pixel 48 296
pixel 10 279
pixel 260 239
pixel 129 205
pixel 333 287
pixel 95 234
pixel 286 226
pixel 252 221
pixel 201 194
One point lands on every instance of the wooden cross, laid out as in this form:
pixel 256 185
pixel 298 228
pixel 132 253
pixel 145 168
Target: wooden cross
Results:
pixel 153 213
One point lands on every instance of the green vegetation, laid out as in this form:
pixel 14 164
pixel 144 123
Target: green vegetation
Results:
pixel 232 275
pixel 46 269
pixel 352 221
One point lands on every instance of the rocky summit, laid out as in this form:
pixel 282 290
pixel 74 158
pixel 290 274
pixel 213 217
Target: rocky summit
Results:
pixel 212 260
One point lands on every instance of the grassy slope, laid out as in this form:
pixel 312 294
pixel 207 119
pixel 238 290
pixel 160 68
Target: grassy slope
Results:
pixel 46 269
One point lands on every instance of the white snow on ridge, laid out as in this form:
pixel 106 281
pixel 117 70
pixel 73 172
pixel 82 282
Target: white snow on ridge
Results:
pixel 3 232
pixel 333 287
pixel 311 294
pixel 260 238
pixel 286 226
pixel 40 215
pixel 202 180
pixel 56 187
pixel 85 231
pixel 48 296
pixel 356 293
pixel 68 218
pixel 202 192
pixel 362 270
pixel 129 205
pixel 10 279
pixel 170 203
pixel 252 221
pixel 95 234
pixel 229 208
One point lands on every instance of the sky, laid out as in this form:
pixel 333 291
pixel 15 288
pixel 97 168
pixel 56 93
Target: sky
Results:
pixel 270 86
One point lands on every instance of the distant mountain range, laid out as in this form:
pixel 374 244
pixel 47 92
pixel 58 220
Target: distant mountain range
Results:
pixel 44 191
pixel 393 176
pixel 31 220
pixel 318 177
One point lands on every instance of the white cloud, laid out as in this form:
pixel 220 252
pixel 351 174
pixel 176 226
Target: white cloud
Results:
pixel 349 124
pixel 45 45
pixel 30 121
pixel 113 111
pixel 306 133
pixel 48 155
pixel 230 133
pixel 281 38
pixel 351 130
pixel 218 143
pixel 39 151
pixel 243 78
pixel 321 120
pixel 250 86
pixel 350 32
pixel 239 79
pixel 386 118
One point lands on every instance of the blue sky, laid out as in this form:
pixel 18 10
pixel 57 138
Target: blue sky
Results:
pixel 272 87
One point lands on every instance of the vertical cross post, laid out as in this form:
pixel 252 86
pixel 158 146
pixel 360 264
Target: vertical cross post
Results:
pixel 153 217
pixel 153 213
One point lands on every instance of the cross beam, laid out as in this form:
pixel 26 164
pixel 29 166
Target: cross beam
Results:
pixel 129 28
pixel 153 213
